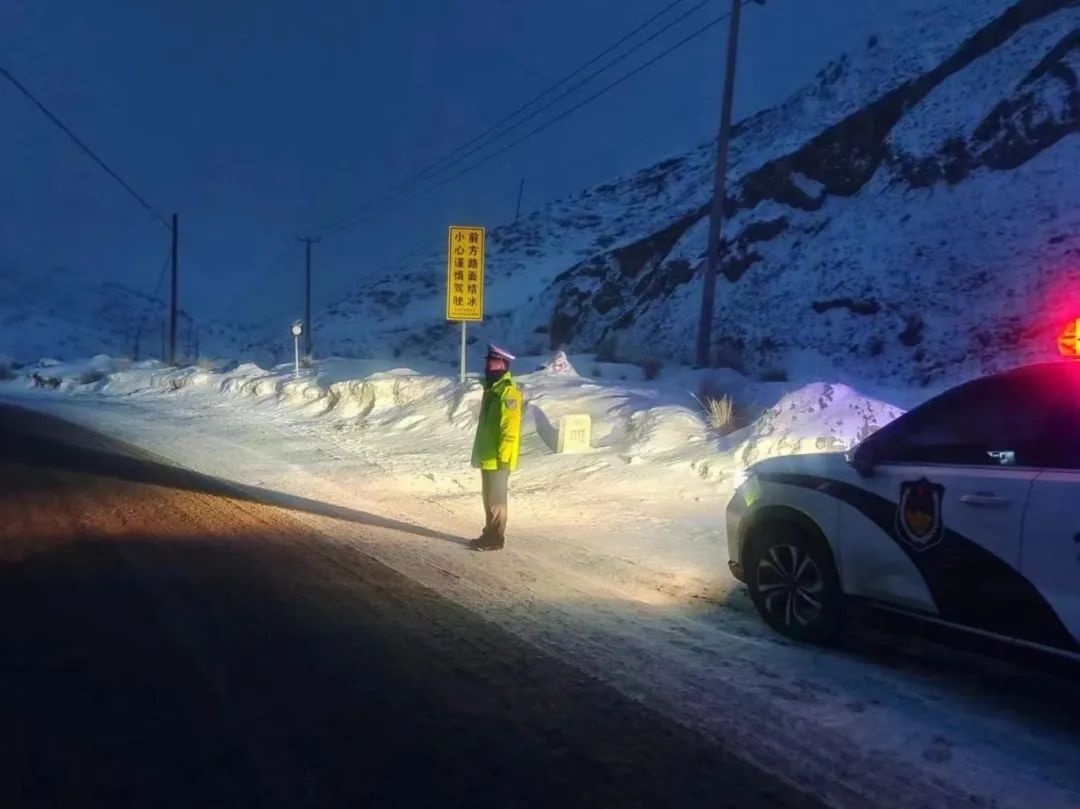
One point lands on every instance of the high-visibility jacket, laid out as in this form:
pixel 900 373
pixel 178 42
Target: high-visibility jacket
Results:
pixel 498 433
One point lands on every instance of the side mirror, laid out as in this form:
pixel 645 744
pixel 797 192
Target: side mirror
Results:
pixel 861 459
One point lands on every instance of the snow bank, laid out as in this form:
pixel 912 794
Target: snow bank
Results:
pixel 52 374
pixel 314 393
pixel 817 418
pixel 424 420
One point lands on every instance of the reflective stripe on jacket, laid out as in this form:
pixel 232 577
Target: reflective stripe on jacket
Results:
pixel 498 433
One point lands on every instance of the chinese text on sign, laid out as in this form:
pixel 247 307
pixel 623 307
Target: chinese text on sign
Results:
pixel 465 274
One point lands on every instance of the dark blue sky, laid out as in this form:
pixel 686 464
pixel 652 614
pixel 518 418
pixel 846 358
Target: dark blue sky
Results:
pixel 257 120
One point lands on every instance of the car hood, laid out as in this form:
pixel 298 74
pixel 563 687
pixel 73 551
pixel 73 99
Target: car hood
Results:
pixel 822 464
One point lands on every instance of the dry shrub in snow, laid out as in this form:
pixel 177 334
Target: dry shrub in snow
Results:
pixel 720 412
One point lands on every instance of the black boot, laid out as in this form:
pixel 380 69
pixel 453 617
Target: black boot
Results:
pixel 481 540
pixel 486 542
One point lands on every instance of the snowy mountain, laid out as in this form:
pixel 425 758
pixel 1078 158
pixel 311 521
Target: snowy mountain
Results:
pixel 908 216
pixel 61 314
pixel 911 215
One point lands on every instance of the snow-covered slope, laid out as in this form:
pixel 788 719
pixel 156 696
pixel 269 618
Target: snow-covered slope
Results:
pixel 911 215
pixel 62 315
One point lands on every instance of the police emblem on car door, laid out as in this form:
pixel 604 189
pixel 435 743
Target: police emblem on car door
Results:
pixel 918 514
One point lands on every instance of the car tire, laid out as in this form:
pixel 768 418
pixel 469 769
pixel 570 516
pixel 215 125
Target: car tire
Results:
pixel 793 583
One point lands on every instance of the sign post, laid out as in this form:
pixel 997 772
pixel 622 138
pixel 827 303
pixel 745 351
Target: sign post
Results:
pixel 297 330
pixel 465 280
pixel 461 370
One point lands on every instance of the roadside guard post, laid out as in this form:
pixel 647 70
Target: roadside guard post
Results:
pixel 465 280
pixel 297 329
pixel 575 434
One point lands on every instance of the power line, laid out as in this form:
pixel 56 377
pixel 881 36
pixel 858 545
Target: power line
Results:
pixel 573 73
pixel 577 86
pixel 78 142
pixel 424 247
pixel 434 167
pixel 161 275
pixel 485 142
pixel 260 286
pixel 150 303
pixel 532 133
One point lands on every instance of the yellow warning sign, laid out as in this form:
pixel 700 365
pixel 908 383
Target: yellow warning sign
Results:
pixel 465 274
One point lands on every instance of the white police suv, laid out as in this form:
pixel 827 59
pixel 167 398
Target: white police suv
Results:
pixel 966 511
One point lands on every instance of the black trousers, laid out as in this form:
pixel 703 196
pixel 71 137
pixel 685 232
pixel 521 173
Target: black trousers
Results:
pixel 496 488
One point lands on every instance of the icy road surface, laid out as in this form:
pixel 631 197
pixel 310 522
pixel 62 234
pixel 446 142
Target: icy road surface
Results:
pixel 620 571
pixel 170 641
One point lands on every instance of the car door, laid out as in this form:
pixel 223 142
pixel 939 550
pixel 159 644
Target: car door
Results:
pixel 950 483
pixel 1050 552
pixel 1050 557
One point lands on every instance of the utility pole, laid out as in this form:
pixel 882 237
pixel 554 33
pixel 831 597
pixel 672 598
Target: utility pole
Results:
pixel 521 190
pixel 716 218
pixel 175 273
pixel 308 241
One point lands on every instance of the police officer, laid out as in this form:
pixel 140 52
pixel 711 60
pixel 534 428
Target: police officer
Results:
pixel 495 450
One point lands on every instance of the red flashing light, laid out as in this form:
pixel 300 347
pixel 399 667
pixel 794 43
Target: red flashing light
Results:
pixel 1069 340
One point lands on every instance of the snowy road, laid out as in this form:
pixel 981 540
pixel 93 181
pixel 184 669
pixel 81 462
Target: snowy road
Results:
pixel 910 720
pixel 170 641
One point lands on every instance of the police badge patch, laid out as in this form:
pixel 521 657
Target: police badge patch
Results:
pixel 918 514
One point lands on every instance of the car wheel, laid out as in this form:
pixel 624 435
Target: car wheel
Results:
pixel 793 583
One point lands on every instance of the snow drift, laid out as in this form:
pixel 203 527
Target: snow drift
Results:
pixel 416 414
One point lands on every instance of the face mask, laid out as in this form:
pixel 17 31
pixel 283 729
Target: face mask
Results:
pixel 495 369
